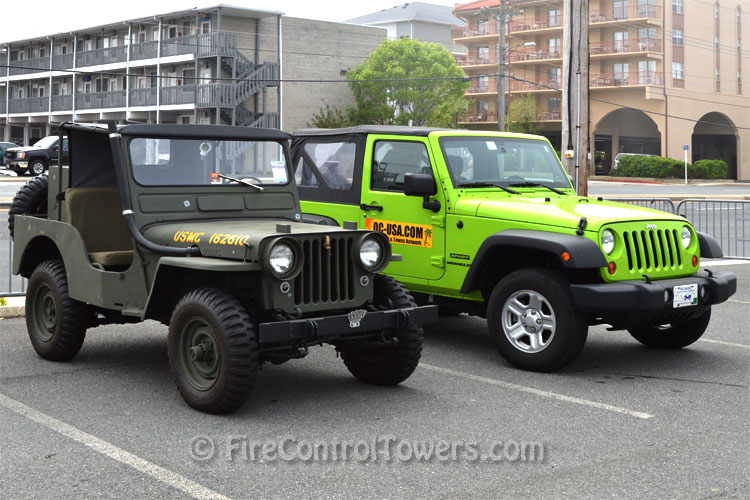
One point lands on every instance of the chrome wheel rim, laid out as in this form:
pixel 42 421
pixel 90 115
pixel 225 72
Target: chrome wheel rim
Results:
pixel 528 321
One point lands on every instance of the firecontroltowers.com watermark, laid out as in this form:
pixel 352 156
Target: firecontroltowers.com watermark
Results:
pixel 385 449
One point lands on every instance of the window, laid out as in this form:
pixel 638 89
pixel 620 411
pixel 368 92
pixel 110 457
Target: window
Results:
pixel 554 75
pixel 483 55
pixel 716 74
pixel 677 6
pixel 739 76
pixel 621 41
pixel 553 46
pixel 739 14
pixel 621 73
pixel 393 159
pixel 677 37
pixel 483 26
pixel 620 9
pixel 646 8
pixel 716 10
pixel 646 39
pixel 484 83
pixel 647 73
pixel 206 27
pixel 716 41
pixel 333 162
pixel 678 70
pixel 553 15
pixel 42 52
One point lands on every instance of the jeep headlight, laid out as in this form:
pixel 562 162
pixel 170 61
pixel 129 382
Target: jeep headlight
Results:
pixel 370 253
pixel 687 237
pixel 281 258
pixel 608 241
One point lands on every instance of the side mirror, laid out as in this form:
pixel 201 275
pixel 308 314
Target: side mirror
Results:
pixel 422 185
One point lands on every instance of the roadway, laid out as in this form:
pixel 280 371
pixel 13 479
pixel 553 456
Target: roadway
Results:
pixel 622 421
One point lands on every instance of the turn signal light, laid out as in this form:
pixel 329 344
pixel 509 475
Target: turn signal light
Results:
pixel 612 267
pixel 695 261
pixel 565 256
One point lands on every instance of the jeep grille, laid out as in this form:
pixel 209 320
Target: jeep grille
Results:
pixel 652 249
pixel 328 274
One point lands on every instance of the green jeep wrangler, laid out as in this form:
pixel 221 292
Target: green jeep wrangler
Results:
pixel 489 224
pixel 199 227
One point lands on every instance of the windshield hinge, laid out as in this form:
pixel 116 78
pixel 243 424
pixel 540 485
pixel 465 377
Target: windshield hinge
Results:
pixel 581 226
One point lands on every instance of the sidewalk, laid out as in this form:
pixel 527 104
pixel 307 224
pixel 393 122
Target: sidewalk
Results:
pixel 650 180
pixel 14 309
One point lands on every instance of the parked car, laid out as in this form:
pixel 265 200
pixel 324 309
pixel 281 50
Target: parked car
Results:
pixel 489 224
pixel 35 160
pixel 4 146
pixel 150 222
pixel 620 155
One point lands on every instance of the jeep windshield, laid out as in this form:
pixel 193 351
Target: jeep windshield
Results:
pixel 200 162
pixel 481 162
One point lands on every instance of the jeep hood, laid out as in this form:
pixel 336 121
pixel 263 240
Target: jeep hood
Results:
pixel 231 239
pixel 559 211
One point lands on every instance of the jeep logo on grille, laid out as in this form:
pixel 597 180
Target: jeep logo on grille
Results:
pixel 650 226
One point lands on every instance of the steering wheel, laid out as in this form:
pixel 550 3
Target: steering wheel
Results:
pixel 252 178
pixel 515 178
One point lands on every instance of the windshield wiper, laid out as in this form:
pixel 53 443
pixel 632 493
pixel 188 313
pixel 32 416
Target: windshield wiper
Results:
pixel 240 181
pixel 488 184
pixel 535 184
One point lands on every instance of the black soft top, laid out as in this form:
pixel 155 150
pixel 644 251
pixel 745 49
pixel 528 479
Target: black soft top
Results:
pixel 188 131
pixel 368 129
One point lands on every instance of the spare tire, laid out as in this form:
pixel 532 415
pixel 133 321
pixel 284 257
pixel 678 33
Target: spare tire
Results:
pixel 30 199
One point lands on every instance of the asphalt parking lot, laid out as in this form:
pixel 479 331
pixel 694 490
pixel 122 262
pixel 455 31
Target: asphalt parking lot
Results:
pixel 622 421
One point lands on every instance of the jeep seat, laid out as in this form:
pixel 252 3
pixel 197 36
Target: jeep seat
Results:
pixel 97 214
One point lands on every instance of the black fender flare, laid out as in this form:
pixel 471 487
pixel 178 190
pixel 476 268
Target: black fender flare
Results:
pixel 322 220
pixel 710 248
pixel 584 253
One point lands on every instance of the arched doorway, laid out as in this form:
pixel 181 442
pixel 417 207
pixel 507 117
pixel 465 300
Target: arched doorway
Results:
pixel 715 138
pixel 624 131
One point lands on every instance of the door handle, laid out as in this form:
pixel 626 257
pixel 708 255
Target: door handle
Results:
pixel 377 208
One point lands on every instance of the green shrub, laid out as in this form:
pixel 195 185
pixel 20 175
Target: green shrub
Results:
pixel 660 168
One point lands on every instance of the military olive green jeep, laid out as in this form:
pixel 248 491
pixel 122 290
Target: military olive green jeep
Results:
pixel 489 224
pixel 199 227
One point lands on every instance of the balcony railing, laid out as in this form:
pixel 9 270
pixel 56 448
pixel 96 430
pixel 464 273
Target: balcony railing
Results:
pixel 527 86
pixel 534 55
pixel 536 23
pixel 620 46
pixel 62 102
pixel 630 78
pixel 553 114
pixel 29 66
pixel 473 58
pixel 202 45
pixel 101 100
pixel 28 105
pixel 481 88
pixel 480 117
pixel 2 106
pixel 625 13
pixel 463 32
pixel 143 97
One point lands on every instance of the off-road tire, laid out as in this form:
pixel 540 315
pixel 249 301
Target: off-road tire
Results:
pixel 388 364
pixel 206 313
pixel 36 167
pixel 56 323
pixel 673 336
pixel 566 339
pixel 30 199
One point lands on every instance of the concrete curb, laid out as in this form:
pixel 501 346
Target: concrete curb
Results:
pixel 7 312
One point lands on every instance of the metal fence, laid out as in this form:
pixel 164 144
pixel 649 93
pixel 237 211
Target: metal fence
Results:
pixel 726 220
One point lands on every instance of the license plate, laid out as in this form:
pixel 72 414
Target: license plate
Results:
pixel 685 295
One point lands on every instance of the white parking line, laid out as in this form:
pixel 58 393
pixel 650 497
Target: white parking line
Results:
pixel 725 343
pixel 724 262
pixel 173 479
pixel 537 392
pixel 738 301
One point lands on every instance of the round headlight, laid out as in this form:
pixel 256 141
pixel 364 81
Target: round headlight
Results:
pixel 281 258
pixel 687 236
pixel 370 253
pixel 608 241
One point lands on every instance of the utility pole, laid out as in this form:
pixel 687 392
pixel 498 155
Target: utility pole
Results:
pixel 501 16
pixel 575 90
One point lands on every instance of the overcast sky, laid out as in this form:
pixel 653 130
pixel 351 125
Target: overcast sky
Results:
pixel 23 20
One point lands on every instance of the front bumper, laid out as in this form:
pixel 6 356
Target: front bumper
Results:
pixel 328 328
pixel 16 165
pixel 633 302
